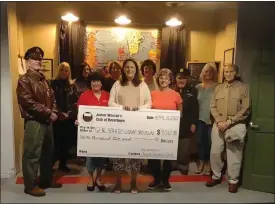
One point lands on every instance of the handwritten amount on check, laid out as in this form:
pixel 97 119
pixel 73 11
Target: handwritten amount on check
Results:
pixel 127 131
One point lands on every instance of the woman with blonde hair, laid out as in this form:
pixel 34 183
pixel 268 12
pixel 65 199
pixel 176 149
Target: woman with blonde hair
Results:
pixel 163 99
pixel 64 129
pixel 205 89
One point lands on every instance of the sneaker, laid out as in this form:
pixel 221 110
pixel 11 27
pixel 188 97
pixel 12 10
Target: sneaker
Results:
pixel 167 186
pixel 154 185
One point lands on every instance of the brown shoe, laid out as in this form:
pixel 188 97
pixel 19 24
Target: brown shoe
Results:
pixel 36 191
pixel 232 188
pixel 213 182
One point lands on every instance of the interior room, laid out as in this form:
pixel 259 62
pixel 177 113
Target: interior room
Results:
pixel 210 30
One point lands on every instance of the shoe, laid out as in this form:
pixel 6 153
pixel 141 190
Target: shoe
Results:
pixel 91 188
pixel 184 171
pixel 213 182
pixel 64 168
pixel 36 191
pixel 232 188
pixel 167 186
pixel 100 186
pixel 154 185
pixel 52 185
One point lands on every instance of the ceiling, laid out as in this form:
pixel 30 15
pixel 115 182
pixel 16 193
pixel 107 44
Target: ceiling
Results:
pixel 139 12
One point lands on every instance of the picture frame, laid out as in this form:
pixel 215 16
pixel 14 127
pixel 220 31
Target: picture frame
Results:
pixel 22 69
pixel 196 67
pixel 47 65
pixel 228 57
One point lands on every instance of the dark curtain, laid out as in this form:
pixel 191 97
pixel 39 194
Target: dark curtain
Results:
pixel 173 42
pixel 71 45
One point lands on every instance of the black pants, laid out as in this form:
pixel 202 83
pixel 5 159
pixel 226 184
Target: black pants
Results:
pixel 155 167
pixel 64 138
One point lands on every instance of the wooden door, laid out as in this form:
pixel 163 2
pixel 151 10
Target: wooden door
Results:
pixel 256 57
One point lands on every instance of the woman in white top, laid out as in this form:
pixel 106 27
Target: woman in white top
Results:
pixel 131 94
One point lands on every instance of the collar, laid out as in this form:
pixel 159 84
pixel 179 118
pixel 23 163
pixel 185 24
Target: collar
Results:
pixel 227 85
pixel 36 74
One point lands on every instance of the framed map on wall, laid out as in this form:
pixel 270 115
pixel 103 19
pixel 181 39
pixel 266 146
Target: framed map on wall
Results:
pixel 105 44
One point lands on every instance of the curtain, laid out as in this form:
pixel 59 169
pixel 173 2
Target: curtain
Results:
pixel 173 42
pixel 71 45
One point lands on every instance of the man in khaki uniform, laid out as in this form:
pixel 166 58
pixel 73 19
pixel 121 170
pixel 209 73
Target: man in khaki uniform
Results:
pixel 230 108
pixel 38 108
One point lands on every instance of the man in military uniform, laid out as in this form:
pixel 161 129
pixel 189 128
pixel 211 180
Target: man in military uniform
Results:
pixel 38 108
pixel 230 108
pixel 188 120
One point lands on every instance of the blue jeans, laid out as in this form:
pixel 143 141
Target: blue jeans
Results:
pixel 92 163
pixel 204 140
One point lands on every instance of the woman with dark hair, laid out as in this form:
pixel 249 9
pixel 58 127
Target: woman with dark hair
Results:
pixel 148 70
pixel 94 96
pixel 130 94
pixel 114 73
pixel 81 81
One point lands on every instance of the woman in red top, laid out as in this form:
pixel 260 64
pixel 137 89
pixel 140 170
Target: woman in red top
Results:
pixel 94 96
pixel 164 99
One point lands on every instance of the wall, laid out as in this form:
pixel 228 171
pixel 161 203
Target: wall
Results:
pixel 16 135
pixel 7 132
pixel 226 32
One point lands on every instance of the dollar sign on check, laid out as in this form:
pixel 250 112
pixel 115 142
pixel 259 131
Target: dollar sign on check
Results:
pixel 158 132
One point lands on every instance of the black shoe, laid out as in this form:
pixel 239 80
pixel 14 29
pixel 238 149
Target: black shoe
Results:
pixel 167 186
pixel 154 185
pixel 64 168
pixel 101 187
pixel 52 185
pixel 91 188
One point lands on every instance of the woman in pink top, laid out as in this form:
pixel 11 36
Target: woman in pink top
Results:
pixel 165 99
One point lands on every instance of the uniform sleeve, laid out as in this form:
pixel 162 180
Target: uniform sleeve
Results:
pixel 213 107
pixel 26 100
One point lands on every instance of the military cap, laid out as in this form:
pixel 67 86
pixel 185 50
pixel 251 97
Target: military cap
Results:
pixel 183 72
pixel 34 53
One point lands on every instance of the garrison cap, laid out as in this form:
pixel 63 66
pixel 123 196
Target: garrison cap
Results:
pixel 34 53
pixel 184 72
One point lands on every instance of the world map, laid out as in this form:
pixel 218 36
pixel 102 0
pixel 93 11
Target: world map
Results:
pixel 118 44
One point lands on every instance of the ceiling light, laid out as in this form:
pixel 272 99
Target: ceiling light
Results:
pixel 173 22
pixel 70 17
pixel 122 20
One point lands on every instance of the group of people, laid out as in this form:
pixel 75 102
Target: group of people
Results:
pixel 214 113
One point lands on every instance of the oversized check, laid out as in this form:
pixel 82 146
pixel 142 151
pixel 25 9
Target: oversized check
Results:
pixel 114 133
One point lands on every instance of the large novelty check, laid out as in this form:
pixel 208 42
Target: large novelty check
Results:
pixel 114 133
